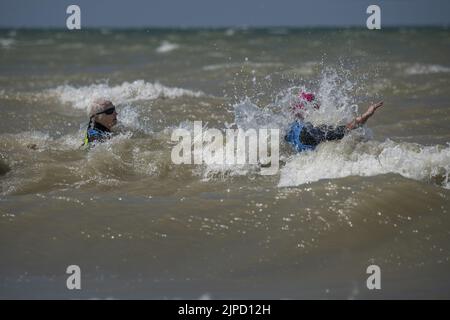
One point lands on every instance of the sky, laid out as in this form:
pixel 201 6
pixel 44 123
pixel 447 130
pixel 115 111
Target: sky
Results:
pixel 221 13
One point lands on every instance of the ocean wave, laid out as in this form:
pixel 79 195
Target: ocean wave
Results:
pixel 230 32
pixel 81 97
pixel 417 69
pixel 6 43
pixel 220 66
pixel 166 47
pixel 343 159
pixel 305 69
pixel 351 156
pixel 279 31
pixel 36 162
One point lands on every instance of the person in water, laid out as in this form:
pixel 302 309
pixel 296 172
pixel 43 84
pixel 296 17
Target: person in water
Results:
pixel 102 117
pixel 303 136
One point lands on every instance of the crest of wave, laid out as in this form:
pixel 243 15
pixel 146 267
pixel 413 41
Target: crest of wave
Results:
pixel 343 159
pixel 80 97
pixel 167 46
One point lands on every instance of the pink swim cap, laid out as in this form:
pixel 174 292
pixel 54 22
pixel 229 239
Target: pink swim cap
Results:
pixel 308 96
pixel 305 97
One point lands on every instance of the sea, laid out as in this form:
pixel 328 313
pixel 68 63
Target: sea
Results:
pixel 140 226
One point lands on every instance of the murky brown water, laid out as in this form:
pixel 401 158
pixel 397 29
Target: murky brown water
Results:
pixel 140 226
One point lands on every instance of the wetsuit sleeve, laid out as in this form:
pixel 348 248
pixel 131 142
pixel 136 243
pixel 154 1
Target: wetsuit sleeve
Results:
pixel 335 133
pixel 314 135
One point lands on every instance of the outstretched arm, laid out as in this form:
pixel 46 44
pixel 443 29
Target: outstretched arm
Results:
pixel 358 121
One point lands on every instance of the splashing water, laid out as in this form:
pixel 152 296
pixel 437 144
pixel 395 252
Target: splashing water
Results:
pixel 131 119
pixel 351 156
pixel 336 97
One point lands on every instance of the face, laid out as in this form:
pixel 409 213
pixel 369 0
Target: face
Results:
pixel 108 120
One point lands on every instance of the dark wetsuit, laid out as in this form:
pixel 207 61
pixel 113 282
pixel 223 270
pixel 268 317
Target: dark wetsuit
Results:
pixel 96 133
pixel 304 136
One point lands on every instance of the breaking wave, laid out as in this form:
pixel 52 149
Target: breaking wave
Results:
pixel 6 43
pixel 167 46
pixel 333 160
pixel 80 97
pixel 356 154
pixel 425 69
pixel 130 155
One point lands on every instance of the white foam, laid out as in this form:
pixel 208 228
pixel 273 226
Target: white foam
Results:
pixel 81 97
pixel 131 118
pixel 230 32
pixel 211 171
pixel 167 46
pixel 336 106
pixel 351 156
pixel 248 115
pixel 416 69
pixel 343 159
pixel 6 43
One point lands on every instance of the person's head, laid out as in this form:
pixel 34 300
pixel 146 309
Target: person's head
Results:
pixel 103 112
pixel 305 100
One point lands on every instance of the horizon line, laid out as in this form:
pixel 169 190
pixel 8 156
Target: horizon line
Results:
pixel 225 27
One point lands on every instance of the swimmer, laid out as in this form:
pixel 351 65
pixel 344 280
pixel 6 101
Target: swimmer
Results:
pixel 304 136
pixel 102 117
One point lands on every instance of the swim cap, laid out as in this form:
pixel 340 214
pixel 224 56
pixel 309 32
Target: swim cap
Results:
pixel 308 96
pixel 98 105
pixel 305 98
